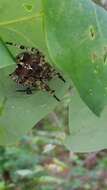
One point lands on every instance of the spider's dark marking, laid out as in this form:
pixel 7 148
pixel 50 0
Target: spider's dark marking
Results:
pixel 33 71
pixel 34 49
pixel 9 43
pixel 21 47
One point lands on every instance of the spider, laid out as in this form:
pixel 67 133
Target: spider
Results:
pixel 33 71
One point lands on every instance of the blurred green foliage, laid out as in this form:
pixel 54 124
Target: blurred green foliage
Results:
pixel 40 161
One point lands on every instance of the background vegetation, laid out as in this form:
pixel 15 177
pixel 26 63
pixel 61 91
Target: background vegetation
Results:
pixel 40 161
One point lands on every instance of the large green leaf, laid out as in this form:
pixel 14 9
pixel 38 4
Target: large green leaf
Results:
pixel 87 132
pixel 21 22
pixel 76 35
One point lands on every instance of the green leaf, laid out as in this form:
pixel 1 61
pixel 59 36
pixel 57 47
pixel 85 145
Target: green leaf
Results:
pixel 5 56
pixel 88 133
pixel 77 41
pixel 21 22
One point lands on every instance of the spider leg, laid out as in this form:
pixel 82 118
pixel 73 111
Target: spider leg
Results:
pixel 33 49
pixel 55 73
pixel 43 86
pixel 60 77
pixel 21 90
pixel 27 90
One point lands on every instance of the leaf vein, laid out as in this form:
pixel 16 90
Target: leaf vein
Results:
pixel 21 19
